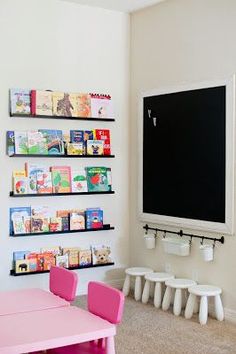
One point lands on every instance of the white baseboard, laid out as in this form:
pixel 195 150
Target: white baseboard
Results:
pixel 230 315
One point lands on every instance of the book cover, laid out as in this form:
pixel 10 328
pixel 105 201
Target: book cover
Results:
pixel 19 173
pixel 65 104
pixel 101 106
pixel 94 218
pixel 39 224
pixel 55 224
pixel 62 261
pixel 79 181
pixel 101 254
pixel 88 135
pixel 76 136
pixel 54 250
pixel 20 185
pixel 31 172
pixel 84 105
pixel 75 148
pixel 37 144
pixel 65 224
pixel 20 255
pixel 61 179
pixel 104 134
pixel 22 266
pixel 44 182
pixel 85 257
pixel 27 224
pixel 95 147
pixel 42 211
pixel 63 213
pixel 32 258
pixel 17 212
pixel 40 262
pixel 19 101
pixel 21 142
pixel 77 220
pixel 10 143
pixel 54 141
pixel 18 226
pixel 49 260
pixel 73 256
pixel 97 179
pixel 41 102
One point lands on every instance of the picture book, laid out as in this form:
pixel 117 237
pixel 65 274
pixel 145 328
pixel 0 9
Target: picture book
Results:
pixel 22 266
pixel 21 142
pixel 65 225
pixel 73 256
pixel 85 257
pixel 18 226
pixel 49 260
pixel 63 213
pixel 10 142
pixel 37 144
pixel 75 148
pixel 101 106
pixel 62 261
pixel 77 220
pixel 44 182
pixel 79 181
pixel 104 134
pixel 32 259
pixel 101 254
pixel 76 136
pixel 39 224
pixel 94 218
pixel 20 185
pixel 17 212
pixel 40 262
pixel 84 105
pixel 19 101
pixel 41 103
pixel 109 177
pixel 61 179
pixel 97 179
pixel 32 170
pixel 20 255
pixel 54 250
pixel 64 104
pixel 27 224
pixel 88 135
pixel 42 211
pixel 55 224
pixel 19 173
pixel 54 140
pixel 95 147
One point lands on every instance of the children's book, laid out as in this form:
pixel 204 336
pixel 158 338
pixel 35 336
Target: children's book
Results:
pixel 62 261
pixel 10 142
pixel 76 136
pixel 73 256
pixel 63 213
pixel 101 106
pixel 20 255
pixel 44 182
pixel 17 212
pixel 19 173
pixel 104 134
pixel 101 254
pixel 18 226
pixel 85 257
pixel 75 148
pixel 40 262
pixel 32 258
pixel 27 224
pixel 77 220
pixel 21 142
pixel 55 224
pixel 65 104
pixel 20 185
pixel 39 224
pixel 95 147
pixel 49 260
pixel 42 211
pixel 37 144
pixel 79 181
pixel 97 179
pixel 19 101
pixel 84 105
pixel 32 170
pixel 88 135
pixel 61 179
pixel 65 224
pixel 54 250
pixel 22 266
pixel 94 218
pixel 41 103
pixel 54 140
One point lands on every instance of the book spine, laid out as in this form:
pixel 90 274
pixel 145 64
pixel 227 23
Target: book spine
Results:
pixel 33 102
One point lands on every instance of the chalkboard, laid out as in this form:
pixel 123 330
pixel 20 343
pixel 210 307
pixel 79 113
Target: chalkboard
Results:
pixel 184 156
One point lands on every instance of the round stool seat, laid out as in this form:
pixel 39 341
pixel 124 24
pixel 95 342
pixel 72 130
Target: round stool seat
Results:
pixel 180 283
pixel 138 271
pixel 158 277
pixel 205 290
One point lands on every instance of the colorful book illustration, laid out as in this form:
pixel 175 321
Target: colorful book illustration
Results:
pixel 101 254
pixel 41 103
pixel 88 135
pixel 32 170
pixel 10 143
pixel 61 179
pixel 39 224
pixel 18 226
pixel 49 260
pixel 104 134
pixel 75 148
pixel 77 220
pixel 97 179
pixel 84 105
pixel 18 212
pixel 54 141
pixel 54 250
pixel 65 104
pixel 95 147
pixel 44 182
pixel 37 144
pixel 20 185
pixel 79 181
pixel 41 211
pixel 55 224
pixel 22 266
pixel 19 101
pixel 62 261
pixel 76 136
pixel 94 218
pixel 73 256
pixel 32 259
pixel 65 224
pixel 85 257
pixel 101 106
pixel 21 142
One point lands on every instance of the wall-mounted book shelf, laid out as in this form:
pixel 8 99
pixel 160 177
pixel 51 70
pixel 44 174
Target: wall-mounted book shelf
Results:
pixel 63 156
pixel 12 195
pixel 62 117
pixel 105 227
pixel 12 272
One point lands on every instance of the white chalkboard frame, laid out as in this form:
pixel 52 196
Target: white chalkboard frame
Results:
pixel 201 225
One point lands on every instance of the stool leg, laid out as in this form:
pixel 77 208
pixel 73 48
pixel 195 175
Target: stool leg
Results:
pixel 177 302
pixel 219 308
pixel 166 299
pixel 138 288
pixel 146 292
pixel 195 309
pixel 190 306
pixel 203 312
pixel 126 286
pixel 157 295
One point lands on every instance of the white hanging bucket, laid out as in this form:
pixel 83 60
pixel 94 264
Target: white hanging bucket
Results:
pixel 207 252
pixel 150 241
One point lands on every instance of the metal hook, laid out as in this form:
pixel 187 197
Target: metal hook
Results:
pixel 191 239
pixel 164 236
pixel 214 244
pixel 202 241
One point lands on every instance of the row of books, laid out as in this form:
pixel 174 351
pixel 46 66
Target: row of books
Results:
pixel 64 104
pixel 39 219
pixel 67 257
pixel 57 142
pixel 40 179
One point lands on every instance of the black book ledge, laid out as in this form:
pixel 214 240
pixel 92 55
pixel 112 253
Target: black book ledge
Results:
pixel 11 194
pixel 62 117
pixel 12 272
pixel 59 156
pixel 104 228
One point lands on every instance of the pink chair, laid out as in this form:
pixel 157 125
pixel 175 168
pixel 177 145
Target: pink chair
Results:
pixel 107 303
pixel 63 282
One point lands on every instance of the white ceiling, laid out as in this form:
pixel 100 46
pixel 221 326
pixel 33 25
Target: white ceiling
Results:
pixel 118 5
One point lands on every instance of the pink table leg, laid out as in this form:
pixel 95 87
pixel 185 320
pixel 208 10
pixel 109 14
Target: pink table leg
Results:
pixel 110 345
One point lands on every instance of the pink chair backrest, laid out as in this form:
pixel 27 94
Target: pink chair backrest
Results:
pixel 105 301
pixel 63 282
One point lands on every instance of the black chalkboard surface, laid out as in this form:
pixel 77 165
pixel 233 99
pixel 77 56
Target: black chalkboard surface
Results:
pixel 184 149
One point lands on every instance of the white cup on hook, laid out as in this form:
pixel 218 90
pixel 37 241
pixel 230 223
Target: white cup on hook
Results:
pixel 150 240
pixel 207 252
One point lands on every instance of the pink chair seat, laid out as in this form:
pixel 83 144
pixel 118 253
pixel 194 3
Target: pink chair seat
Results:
pixel 82 348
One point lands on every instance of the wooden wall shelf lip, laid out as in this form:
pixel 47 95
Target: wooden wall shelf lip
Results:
pixel 12 272
pixel 11 194
pixel 63 156
pixel 62 117
pixel 105 228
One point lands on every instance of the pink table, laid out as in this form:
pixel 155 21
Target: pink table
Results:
pixel 40 330
pixel 26 300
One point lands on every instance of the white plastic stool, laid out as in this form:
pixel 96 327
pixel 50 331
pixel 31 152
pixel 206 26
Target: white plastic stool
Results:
pixel 158 279
pixel 204 291
pixel 178 285
pixel 138 273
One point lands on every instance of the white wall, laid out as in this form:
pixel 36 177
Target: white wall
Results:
pixel 51 44
pixel 181 41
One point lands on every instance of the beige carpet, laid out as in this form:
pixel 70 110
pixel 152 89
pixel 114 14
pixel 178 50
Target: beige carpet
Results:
pixel 146 330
